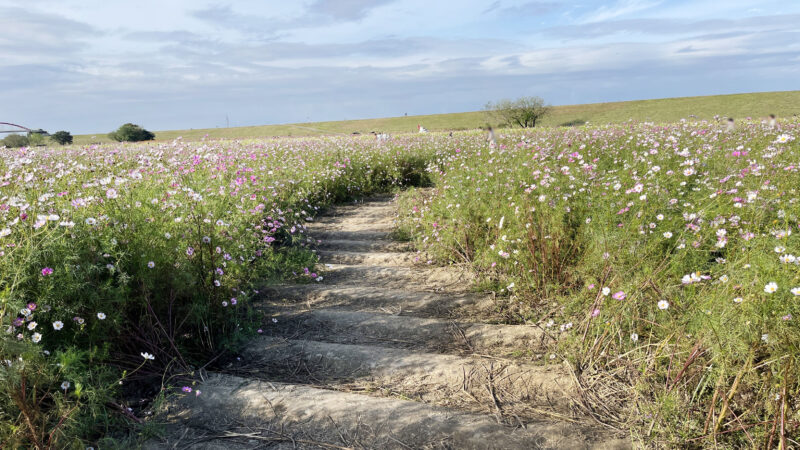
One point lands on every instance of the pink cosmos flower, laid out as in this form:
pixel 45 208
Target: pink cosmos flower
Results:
pixel 618 295
pixel 47 271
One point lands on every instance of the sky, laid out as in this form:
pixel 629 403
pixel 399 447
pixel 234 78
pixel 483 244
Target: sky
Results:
pixel 89 66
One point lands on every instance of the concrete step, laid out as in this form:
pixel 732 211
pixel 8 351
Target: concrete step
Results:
pixel 466 382
pixel 349 245
pixel 390 277
pixel 425 334
pixel 368 298
pixel 397 259
pixel 233 405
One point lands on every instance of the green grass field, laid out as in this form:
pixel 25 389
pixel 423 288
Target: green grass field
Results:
pixel 659 110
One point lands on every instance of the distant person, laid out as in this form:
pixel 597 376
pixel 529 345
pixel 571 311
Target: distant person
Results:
pixel 730 125
pixel 380 137
pixel 772 121
pixel 490 138
pixel 421 129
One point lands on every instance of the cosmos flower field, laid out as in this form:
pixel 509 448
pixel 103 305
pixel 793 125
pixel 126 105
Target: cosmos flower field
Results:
pixel 118 263
pixel 665 256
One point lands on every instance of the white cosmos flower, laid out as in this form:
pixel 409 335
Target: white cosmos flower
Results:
pixel 101 316
pixel 663 305
pixel 667 234
pixel 36 338
pixel 147 356
pixel 771 287
pixel 795 291
pixel 634 337
pixel 57 325
pixel 606 290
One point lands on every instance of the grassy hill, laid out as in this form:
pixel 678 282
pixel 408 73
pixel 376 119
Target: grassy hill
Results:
pixel 659 110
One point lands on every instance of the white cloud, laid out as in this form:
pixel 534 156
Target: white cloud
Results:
pixel 620 9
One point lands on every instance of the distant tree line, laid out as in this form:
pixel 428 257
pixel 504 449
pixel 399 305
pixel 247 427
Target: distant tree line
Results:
pixel 35 138
pixel 126 133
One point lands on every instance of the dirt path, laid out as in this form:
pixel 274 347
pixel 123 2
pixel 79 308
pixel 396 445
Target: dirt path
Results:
pixel 382 354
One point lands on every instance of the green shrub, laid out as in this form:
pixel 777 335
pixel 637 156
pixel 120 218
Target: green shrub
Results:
pixel 131 133
pixel 573 123
pixel 37 139
pixel 62 137
pixel 15 140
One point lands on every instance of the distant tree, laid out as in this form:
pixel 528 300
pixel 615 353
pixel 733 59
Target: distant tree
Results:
pixel 131 133
pixel 15 140
pixel 524 111
pixel 62 137
pixel 37 138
